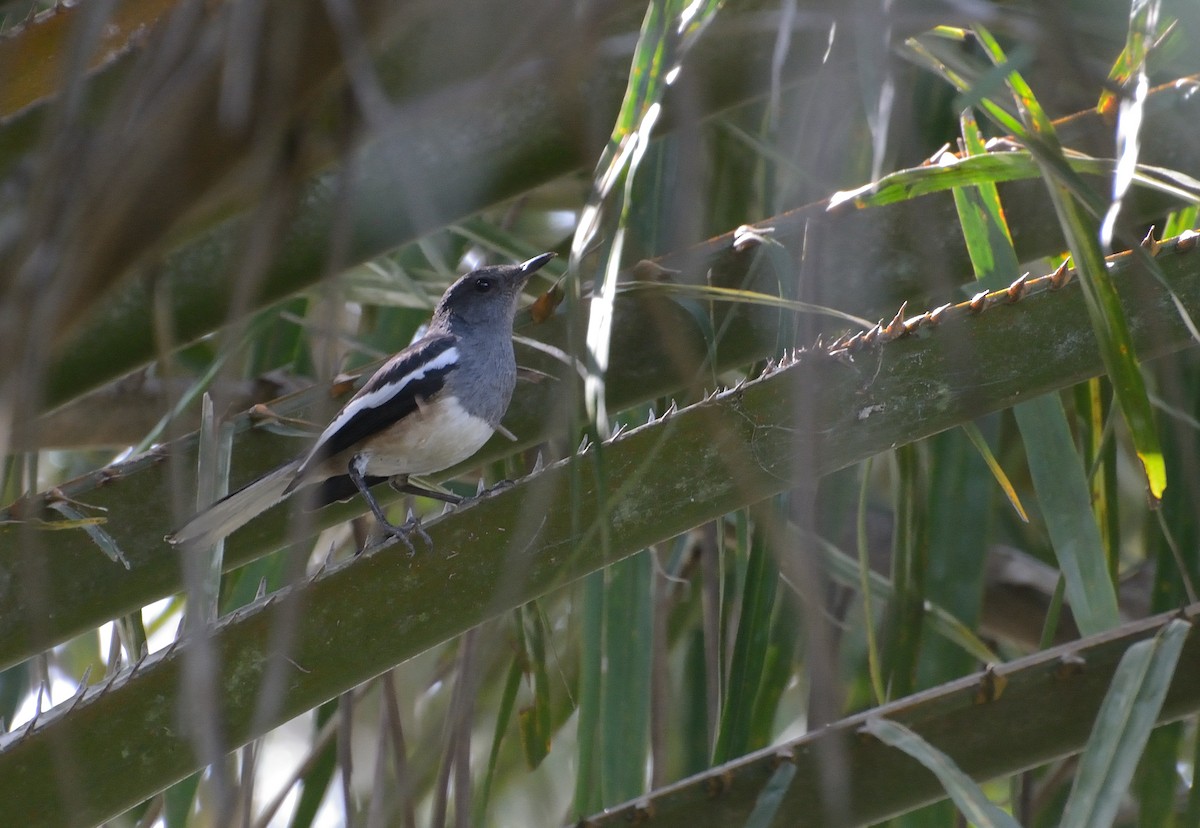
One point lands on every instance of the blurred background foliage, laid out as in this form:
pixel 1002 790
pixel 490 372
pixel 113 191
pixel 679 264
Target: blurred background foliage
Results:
pixel 830 594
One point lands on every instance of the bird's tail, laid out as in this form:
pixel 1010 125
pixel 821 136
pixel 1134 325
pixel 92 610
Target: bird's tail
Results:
pixel 235 510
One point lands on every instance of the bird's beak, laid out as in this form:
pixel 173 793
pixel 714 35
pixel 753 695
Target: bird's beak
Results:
pixel 535 263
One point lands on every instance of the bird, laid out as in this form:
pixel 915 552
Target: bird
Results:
pixel 429 407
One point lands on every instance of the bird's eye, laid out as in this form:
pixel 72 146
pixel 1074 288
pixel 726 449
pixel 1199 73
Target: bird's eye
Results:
pixel 483 284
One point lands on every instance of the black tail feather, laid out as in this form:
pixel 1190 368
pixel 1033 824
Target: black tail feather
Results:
pixel 334 489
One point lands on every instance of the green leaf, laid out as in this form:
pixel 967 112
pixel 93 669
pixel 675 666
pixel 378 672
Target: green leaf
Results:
pixel 968 796
pixel 508 698
pixel 1058 475
pixel 625 705
pixel 1123 726
pixel 1143 17
pixel 909 567
pixel 1103 304
pixel 1066 503
pixel 670 28
pixel 1157 782
pixel 744 679
pixel 179 801
pixel 981 216
pixel 766 807
pixel 541 680
pixel 1112 334
pixel 591 677
pixel 778 669
pixel 874 669
pixel 990 168
pixel 533 740
pixel 959 505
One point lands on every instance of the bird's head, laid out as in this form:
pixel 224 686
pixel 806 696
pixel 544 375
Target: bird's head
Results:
pixel 489 294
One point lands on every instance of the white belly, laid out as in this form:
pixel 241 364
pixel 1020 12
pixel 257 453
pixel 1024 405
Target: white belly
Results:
pixel 418 446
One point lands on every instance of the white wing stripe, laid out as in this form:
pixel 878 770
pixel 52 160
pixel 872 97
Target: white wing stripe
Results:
pixel 385 392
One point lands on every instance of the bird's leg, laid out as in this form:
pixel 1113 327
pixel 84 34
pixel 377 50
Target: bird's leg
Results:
pixel 356 469
pixel 399 483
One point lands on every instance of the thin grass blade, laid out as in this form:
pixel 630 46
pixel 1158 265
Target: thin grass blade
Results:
pixel 985 452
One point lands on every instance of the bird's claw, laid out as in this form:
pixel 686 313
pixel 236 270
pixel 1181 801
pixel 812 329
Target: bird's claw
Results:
pixel 410 527
pixel 413 524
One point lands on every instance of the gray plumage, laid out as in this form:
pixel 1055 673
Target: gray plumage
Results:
pixel 429 407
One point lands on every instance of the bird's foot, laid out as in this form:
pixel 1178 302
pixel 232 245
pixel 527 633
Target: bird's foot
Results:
pixel 410 527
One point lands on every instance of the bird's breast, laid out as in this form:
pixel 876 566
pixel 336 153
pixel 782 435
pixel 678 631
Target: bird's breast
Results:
pixel 439 434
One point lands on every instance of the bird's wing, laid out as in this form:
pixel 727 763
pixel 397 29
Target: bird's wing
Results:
pixel 411 377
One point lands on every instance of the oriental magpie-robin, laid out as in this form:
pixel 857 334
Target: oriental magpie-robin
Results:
pixel 429 407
